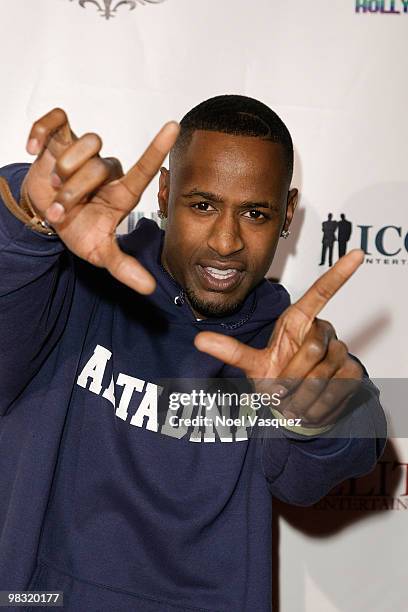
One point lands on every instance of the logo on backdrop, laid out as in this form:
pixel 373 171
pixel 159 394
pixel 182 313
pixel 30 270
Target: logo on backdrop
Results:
pixel 386 244
pixel 335 231
pixel 386 7
pixel 108 8
pixel 376 491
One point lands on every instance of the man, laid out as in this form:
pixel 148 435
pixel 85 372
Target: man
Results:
pixel 329 237
pixel 343 234
pixel 101 499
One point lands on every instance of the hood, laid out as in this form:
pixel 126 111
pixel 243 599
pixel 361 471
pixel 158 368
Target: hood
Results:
pixel 263 305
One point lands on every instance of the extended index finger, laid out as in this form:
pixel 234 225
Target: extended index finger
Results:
pixel 140 175
pixel 322 290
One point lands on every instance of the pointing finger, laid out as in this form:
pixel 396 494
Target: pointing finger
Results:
pixel 322 290
pixel 140 175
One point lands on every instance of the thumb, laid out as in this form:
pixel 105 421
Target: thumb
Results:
pixel 229 350
pixel 126 268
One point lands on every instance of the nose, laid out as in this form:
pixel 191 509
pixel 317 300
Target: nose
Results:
pixel 225 237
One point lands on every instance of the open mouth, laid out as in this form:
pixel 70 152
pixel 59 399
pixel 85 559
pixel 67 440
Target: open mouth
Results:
pixel 216 279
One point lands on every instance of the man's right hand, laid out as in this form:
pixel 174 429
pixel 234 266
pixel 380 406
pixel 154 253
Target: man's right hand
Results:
pixel 85 197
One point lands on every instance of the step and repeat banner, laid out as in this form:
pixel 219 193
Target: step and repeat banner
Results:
pixel 336 72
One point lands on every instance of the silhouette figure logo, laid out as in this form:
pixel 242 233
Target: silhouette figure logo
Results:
pixel 335 231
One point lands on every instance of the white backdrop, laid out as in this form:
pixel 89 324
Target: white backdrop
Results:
pixel 338 78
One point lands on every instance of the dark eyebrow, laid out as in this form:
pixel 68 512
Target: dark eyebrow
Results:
pixel 213 197
pixel 257 205
pixel 207 195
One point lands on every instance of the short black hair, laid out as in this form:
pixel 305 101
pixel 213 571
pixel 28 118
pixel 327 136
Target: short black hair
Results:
pixel 239 116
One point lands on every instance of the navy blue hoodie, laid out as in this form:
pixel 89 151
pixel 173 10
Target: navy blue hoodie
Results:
pixel 95 499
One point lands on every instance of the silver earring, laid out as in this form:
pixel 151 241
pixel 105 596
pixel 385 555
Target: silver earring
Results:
pixel 285 234
pixel 161 214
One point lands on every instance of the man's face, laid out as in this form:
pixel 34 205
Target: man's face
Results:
pixel 226 198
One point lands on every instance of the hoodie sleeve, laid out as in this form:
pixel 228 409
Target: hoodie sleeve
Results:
pixel 36 288
pixel 300 470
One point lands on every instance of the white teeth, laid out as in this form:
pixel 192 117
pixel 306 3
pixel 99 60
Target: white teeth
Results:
pixel 221 274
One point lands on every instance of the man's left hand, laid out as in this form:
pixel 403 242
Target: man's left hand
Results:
pixel 304 360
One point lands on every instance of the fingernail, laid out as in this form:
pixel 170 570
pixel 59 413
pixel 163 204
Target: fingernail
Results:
pixel 282 392
pixel 55 180
pixel 279 390
pixel 33 146
pixel 55 212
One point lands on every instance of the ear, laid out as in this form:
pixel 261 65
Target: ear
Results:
pixel 293 196
pixel 164 187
